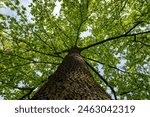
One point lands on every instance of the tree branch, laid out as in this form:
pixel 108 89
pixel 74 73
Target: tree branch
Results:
pixel 24 88
pixel 63 51
pixel 133 27
pixel 106 64
pixel 28 59
pixel 49 37
pixel 143 43
pixel 31 49
pixel 27 95
pixel 113 38
pixel 127 92
pixel 20 65
pixel 80 25
pixel 62 32
pixel 53 55
pixel 104 80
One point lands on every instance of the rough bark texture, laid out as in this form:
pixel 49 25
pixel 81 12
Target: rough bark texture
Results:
pixel 71 81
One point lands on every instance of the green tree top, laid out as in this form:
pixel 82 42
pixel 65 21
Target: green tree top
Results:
pixel 113 35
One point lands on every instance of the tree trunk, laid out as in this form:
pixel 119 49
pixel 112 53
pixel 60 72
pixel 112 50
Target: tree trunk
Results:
pixel 71 81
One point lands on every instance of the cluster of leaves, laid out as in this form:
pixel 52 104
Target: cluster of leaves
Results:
pixel 116 51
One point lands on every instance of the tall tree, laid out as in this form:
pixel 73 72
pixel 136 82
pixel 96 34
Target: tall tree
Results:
pixel 112 38
pixel 71 80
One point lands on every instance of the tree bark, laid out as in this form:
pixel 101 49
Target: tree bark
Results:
pixel 71 81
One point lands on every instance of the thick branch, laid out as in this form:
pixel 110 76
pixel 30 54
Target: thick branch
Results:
pixel 104 80
pixel 114 38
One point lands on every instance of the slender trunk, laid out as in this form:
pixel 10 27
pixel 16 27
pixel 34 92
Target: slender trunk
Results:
pixel 71 81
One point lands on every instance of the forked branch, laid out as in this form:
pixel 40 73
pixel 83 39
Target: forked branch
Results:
pixel 117 37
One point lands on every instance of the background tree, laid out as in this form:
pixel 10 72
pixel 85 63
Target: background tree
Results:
pixel 113 35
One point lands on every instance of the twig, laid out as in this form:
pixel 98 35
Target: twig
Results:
pixel 28 94
pixel 106 64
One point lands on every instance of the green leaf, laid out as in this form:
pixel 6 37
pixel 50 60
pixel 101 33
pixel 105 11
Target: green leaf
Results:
pixel 119 41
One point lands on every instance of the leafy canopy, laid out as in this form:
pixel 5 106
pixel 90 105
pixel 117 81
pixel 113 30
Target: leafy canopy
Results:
pixel 114 36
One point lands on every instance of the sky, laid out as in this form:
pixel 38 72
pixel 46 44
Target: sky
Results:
pixel 8 11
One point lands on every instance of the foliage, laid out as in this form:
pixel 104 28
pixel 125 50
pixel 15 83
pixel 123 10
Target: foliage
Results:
pixel 116 45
